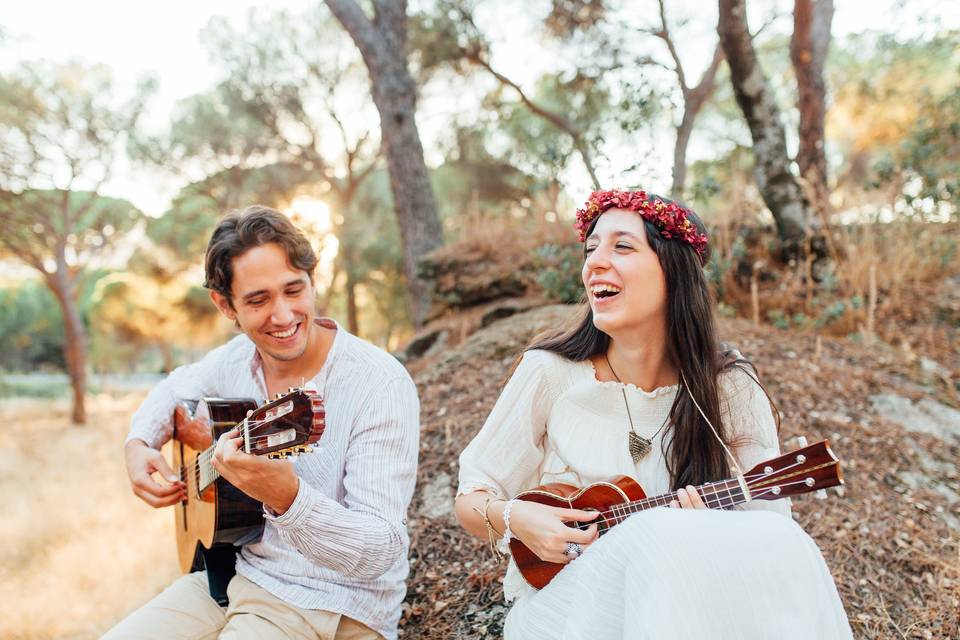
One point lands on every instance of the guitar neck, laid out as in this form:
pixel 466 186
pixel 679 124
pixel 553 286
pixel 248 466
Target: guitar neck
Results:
pixel 206 474
pixel 725 494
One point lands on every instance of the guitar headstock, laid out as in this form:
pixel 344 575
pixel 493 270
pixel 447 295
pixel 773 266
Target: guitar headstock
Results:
pixel 808 469
pixel 288 425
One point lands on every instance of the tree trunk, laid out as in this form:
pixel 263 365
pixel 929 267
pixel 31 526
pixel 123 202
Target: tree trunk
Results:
pixel 693 101
pixel 779 187
pixel 166 353
pixel 353 321
pixel 75 347
pixel 382 43
pixel 808 53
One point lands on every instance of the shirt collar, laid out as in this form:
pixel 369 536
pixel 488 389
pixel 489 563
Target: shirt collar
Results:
pixel 320 379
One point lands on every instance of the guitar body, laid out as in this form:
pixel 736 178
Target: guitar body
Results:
pixel 601 496
pixel 221 514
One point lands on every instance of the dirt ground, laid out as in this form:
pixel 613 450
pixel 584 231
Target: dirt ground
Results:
pixel 81 551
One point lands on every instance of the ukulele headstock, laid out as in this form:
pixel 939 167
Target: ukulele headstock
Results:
pixel 808 469
pixel 286 426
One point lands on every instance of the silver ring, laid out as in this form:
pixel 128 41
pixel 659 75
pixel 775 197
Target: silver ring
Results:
pixel 573 550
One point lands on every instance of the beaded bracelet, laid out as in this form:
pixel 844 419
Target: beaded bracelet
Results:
pixel 504 544
pixel 491 531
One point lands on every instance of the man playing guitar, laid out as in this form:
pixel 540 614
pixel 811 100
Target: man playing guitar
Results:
pixel 332 560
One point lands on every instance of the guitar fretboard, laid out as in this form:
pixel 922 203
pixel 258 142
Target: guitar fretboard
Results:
pixel 206 474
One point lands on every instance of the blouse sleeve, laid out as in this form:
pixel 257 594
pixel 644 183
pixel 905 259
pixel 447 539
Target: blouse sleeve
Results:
pixel 752 428
pixel 505 456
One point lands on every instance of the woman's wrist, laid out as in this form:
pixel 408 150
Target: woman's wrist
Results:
pixel 504 544
pixel 494 512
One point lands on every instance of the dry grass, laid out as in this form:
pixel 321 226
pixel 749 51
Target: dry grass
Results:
pixel 915 271
pixel 80 550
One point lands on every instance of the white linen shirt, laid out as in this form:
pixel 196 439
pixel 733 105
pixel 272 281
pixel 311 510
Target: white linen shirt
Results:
pixel 342 545
pixel 555 422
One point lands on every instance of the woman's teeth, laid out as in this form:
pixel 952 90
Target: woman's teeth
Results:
pixel 604 290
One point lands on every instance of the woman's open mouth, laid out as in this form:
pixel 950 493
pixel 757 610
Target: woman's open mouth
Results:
pixel 604 292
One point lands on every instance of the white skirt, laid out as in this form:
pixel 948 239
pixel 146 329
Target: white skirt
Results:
pixel 684 573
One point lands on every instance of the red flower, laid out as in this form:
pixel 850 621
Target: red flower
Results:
pixel 669 217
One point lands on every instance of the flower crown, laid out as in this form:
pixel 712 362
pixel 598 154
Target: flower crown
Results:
pixel 669 217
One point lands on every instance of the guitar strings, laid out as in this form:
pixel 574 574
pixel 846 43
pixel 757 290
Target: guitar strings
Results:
pixel 203 457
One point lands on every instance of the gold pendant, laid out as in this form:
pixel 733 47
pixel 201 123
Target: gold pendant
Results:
pixel 638 445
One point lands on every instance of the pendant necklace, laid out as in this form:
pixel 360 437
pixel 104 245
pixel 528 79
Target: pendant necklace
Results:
pixel 636 444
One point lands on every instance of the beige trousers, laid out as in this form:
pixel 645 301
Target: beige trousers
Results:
pixel 185 611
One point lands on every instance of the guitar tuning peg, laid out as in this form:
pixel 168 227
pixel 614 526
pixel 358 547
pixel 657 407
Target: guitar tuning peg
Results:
pixel 291 389
pixel 801 441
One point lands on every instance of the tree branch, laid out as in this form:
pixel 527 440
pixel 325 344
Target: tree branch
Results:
pixel 356 22
pixel 664 34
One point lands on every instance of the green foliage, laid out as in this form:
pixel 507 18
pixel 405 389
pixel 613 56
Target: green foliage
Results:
pixel 37 220
pixel 930 158
pixel 558 271
pixel 831 313
pixel 778 318
pixel 31 329
pixel 31 325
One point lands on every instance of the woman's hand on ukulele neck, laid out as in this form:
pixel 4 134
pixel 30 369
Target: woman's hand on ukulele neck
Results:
pixel 688 498
pixel 544 530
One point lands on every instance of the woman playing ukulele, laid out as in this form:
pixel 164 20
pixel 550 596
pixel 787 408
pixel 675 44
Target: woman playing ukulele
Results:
pixel 640 386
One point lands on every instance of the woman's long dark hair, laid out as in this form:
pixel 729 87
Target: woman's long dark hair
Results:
pixel 692 453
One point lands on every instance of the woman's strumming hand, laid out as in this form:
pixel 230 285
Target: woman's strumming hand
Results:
pixel 544 530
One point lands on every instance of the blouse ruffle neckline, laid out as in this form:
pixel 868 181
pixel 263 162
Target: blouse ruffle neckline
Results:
pixel 613 384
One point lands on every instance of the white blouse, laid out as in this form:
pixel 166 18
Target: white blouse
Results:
pixel 555 422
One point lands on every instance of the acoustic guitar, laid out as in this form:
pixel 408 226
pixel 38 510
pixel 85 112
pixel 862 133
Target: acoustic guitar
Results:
pixel 808 469
pixel 216 518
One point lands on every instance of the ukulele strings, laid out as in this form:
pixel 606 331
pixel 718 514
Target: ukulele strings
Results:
pixel 712 501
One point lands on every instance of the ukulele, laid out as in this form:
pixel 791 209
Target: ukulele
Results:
pixel 808 469
pixel 216 518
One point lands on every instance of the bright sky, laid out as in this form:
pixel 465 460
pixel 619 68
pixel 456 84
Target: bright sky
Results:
pixel 136 38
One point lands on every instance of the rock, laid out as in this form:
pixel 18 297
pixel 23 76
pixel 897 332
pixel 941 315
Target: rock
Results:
pixel 926 416
pixel 437 497
pixel 424 345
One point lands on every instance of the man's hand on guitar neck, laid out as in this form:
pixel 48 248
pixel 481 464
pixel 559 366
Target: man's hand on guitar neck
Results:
pixel 143 462
pixel 272 482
